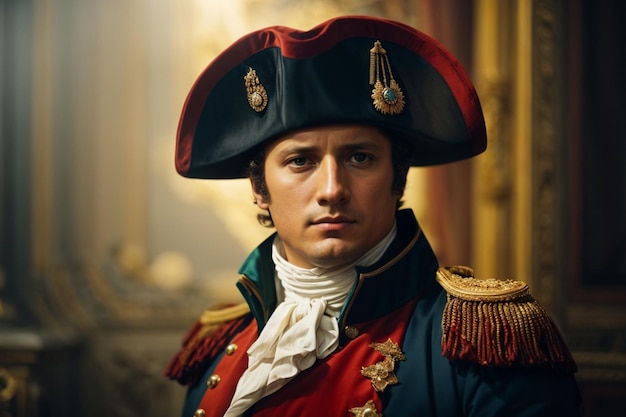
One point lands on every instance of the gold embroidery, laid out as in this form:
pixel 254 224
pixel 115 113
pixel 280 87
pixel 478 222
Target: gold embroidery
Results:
pixel 368 410
pixel 389 348
pixel 459 282
pixel 382 373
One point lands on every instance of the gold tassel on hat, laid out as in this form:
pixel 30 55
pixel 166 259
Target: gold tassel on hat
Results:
pixel 495 322
pixel 387 95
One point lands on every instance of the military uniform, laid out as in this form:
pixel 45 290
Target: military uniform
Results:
pixel 397 322
pixel 415 339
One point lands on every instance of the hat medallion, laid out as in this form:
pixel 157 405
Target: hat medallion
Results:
pixel 387 97
pixel 257 96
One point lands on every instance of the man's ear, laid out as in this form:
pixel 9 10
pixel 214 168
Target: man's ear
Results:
pixel 259 199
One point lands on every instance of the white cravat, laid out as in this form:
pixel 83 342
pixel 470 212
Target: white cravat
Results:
pixel 302 329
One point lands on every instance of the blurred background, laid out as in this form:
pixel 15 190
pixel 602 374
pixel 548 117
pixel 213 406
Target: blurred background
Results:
pixel 108 257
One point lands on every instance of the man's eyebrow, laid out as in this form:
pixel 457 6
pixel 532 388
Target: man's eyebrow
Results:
pixel 361 144
pixel 295 148
pixel 303 148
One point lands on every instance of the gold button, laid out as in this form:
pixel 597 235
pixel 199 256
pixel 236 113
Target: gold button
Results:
pixel 230 349
pixel 213 381
pixel 351 331
pixel 199 413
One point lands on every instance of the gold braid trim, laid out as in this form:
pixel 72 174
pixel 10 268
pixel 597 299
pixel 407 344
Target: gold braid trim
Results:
pixel 211 316
pixel 495 322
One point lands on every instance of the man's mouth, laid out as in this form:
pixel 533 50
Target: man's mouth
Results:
pixel 333 223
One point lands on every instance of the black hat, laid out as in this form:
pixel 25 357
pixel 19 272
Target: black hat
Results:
pixel 348 70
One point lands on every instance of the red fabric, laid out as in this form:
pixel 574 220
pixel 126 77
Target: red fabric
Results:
pixel 331 387
pixel 216 401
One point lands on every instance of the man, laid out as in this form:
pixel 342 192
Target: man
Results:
pixel 347 312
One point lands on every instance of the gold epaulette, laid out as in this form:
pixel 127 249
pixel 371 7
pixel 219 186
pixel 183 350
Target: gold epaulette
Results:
pixel 497 322
pixel 222 315
pixel 206 339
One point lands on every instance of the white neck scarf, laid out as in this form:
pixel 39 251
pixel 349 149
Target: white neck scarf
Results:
pixel 302 329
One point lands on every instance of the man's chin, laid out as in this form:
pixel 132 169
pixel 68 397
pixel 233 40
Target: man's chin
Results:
pixel 335 257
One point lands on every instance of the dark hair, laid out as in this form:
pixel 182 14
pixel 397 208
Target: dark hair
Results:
pixel 401 155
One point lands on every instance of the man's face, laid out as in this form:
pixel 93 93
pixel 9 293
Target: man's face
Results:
pixel 330 190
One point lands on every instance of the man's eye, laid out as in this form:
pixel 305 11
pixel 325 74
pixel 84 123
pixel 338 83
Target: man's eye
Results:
pixel 299 162
pixel 360 157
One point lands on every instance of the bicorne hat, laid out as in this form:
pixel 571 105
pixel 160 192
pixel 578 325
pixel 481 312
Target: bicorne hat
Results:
pixel 348 70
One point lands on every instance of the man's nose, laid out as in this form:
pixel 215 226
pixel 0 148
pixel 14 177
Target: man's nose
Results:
pixel 332 183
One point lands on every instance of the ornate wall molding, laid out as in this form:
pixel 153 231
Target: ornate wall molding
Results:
pixel 493 183
pixel 594 330
pixel 547 136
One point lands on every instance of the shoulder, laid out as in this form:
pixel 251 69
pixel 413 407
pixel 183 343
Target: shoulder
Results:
pixel 498 322
pixel 205 340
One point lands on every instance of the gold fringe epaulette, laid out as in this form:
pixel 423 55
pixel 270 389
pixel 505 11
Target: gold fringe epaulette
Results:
pixel 206 339
pixel 497 322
